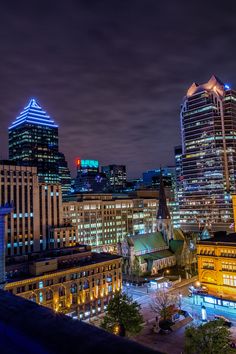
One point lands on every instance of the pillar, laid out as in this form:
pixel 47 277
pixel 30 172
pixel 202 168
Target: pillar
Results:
pixel 4 210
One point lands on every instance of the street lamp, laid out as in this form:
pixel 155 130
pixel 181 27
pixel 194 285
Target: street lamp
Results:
pixel 198 284
pixel 167 271
pixel 180 301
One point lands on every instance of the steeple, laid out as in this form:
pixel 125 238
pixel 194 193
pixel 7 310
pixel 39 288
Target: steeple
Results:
pixel 164 224
pixel 163 211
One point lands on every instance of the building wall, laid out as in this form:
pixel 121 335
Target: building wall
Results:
pixel 103 223
pixel 208 129
pixel 80 289
pixel 217 268
pixel 37 207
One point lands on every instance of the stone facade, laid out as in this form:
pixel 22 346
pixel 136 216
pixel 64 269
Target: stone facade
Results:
pixel 84 290
pixel 217 266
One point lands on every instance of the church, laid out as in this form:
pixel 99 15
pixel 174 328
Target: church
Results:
pixel 149 253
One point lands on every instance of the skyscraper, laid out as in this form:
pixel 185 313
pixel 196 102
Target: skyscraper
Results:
pixel 208 128
pixel 33 141
pixel 88 178
pixel 116 175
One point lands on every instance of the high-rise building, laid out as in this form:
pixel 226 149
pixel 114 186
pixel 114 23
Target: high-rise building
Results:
pixel 37 207
pixel 178 168
pixel 33 141
pixel 208 128
pixel 88 178
pixel 116 175
pixel 64 174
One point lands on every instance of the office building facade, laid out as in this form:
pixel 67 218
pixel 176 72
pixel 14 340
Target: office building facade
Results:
pixel 89 178
pixel 116 175
pixel 208 128
pixel 37 207
pixel 103 220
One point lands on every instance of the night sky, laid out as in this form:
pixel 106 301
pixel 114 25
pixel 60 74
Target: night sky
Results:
pixel 112 73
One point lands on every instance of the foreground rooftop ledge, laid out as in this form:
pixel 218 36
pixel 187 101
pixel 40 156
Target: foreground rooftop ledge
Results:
pixel 26 327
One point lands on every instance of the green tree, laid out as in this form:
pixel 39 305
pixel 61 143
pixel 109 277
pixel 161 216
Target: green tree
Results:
pixel 123 316
pixel 210 338
pixel 136 269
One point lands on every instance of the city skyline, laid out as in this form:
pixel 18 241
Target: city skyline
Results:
pixel 125 66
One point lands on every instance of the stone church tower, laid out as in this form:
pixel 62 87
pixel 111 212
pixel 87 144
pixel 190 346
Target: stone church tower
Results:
pixel 164 224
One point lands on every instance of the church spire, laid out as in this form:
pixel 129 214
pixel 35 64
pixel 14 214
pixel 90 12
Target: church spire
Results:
pixel 163 211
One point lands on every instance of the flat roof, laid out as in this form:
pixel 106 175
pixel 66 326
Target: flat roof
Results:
pixel 222 238
pixel 95 258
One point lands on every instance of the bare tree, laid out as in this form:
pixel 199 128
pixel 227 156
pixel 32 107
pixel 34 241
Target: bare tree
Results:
pixel 163 304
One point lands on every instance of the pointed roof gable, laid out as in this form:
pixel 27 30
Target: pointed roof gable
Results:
pixel 34 114
pixel 214 84
pixel 163 211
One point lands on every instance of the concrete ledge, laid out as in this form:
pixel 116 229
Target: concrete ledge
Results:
pixel 27 328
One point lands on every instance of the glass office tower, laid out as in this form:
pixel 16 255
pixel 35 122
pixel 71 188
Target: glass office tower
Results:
pixel 208 128
pixel 33 141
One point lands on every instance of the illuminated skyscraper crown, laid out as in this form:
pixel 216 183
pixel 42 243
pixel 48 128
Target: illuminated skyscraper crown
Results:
pixel 33 114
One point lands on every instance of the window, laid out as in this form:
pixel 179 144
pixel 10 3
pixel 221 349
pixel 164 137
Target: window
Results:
pixel 73 288
pixel 49 295
pixel 208 264
pixel 229 280
pixel 40 284
pixel 61 291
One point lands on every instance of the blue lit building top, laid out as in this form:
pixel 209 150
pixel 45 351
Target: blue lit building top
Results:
pixel 33 114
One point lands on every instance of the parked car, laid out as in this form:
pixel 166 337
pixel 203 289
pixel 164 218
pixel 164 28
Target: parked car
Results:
pixel 227 322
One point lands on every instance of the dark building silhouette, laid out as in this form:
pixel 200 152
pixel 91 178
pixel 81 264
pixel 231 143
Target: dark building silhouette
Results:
pixel 116 175
pixel 27 328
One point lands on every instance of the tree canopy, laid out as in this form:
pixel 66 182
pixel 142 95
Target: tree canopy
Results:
pixel 210 338
pixel 123 316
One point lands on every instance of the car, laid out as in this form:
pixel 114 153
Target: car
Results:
pixel 226 321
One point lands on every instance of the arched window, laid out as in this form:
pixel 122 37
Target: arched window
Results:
pixel 61 291
pixel 49 295
pixel 73 288
pixel 86 284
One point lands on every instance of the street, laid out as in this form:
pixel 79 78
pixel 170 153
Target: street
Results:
pixel 173 343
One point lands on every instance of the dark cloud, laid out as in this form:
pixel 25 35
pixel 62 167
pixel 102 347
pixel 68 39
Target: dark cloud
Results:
pixel 112 73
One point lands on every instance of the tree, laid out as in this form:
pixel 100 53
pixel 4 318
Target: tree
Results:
pixel 136 269
pixel 210 338
pixel 123 316
pixel 163 304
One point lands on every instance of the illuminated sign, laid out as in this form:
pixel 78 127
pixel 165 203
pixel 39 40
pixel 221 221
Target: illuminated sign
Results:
pixel 87 163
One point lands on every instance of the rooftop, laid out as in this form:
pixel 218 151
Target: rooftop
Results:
pixel 214 84
pixel 147 242
pixel 156 255
pixel 221 237
pixel 29 328
pixel 33 114
pixel 64 263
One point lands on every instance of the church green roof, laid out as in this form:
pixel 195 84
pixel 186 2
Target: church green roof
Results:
pixel 178 234
pixel 176 246
pixel 156 255
pixel 147 242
